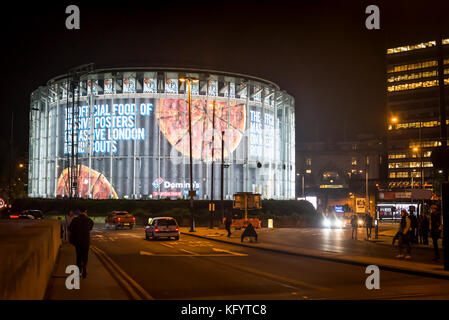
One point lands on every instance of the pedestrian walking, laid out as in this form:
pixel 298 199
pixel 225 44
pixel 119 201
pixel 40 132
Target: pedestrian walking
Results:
pixel 80 228
pixel 354 225
pixel 435 229
pixel 368 225
pixel 413 227
pixel 404 235
pixel 228 222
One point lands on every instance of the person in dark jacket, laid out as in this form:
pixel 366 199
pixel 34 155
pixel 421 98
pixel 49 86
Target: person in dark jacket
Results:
pixel 249 232
pixel 413 226
pixel 80 235
pixel 354 225
pixel 425 226
pixel 368 225
pixel 435 229
pixel 404 235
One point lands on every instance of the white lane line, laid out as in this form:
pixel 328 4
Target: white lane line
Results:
pixel 230 252
pixel 192 253
pixel 166 245
pixel 145 253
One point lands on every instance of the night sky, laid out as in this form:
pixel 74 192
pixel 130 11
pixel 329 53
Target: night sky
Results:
pixel 318 51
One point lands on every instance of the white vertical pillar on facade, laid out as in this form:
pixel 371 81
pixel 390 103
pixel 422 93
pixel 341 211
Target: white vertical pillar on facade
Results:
pixel 90 101
pixel 247 139
pixel 55 193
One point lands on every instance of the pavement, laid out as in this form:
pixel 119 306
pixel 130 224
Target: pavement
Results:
pixel 361 252
pixel 98 285
pixel 286 263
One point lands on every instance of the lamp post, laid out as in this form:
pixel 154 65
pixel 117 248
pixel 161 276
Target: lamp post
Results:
pixel 212 205
pixel 189 81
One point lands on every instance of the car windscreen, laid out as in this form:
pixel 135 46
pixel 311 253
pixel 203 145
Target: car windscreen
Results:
pixel 166 222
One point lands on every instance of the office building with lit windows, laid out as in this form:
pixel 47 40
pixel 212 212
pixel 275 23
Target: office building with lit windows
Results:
pixel 413 127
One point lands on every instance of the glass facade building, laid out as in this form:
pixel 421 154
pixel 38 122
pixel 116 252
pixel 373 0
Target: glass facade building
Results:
pixel 130 133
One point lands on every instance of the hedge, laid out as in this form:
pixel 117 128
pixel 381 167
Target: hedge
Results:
pixel 290 213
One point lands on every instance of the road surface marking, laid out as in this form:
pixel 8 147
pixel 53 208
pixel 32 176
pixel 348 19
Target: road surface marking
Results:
pixel 230 252
pixel 130 285
pixel 145 253
pixel 274 277
pixel 166 245
pixel 192 253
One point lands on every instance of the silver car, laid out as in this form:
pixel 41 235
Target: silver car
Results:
pixel 162 227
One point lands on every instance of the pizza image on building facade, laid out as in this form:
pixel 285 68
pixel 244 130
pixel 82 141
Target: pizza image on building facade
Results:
pixel 173 119
pixel 100 187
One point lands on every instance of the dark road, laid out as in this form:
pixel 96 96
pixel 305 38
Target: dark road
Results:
pixel 193 268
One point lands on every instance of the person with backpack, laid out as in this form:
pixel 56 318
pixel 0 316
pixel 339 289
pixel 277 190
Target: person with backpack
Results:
pixel 404 235
pixel 368 225
pixel 80 228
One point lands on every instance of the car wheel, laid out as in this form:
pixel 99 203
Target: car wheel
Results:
pixel 177 238
pixel 146 236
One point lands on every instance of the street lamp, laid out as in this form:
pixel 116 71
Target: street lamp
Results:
pixel 189 81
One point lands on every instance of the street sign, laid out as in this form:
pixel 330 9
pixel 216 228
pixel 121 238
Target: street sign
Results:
pixel 360 205
pixel 192 193
pixel 2 203
pixel 253 201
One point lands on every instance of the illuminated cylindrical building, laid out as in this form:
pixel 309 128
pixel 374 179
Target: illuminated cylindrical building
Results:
pixel 131 136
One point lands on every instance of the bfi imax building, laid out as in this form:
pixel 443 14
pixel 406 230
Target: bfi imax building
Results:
pixel 129 131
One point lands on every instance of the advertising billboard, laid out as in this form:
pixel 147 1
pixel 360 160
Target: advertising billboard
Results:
pixel 135 145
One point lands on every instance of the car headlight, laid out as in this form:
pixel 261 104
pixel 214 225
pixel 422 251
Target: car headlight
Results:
pixel 360 222
pixel 326 223
pixel 338 223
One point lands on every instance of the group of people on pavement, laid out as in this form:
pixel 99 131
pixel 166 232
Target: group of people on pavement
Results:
pixel 369 223
pixel 416 230
pixel 77 227
pixel 412 230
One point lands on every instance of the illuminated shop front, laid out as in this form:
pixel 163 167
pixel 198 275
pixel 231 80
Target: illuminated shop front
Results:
pixel 133 139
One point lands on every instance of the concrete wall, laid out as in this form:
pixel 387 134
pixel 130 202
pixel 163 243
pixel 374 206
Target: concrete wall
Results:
pixel 28 252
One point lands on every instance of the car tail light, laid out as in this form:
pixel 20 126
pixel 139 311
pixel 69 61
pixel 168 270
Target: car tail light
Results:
pixel 156 230
pixel 177 229
pixel 14 217
pixel 118 219
pixel 134 218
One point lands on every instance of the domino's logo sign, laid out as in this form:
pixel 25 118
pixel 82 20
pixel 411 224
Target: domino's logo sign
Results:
pixel 157 183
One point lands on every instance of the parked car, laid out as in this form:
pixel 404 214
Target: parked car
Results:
pixel 162 227
pixel 120 219
pixel 21 216
pixel 37 214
